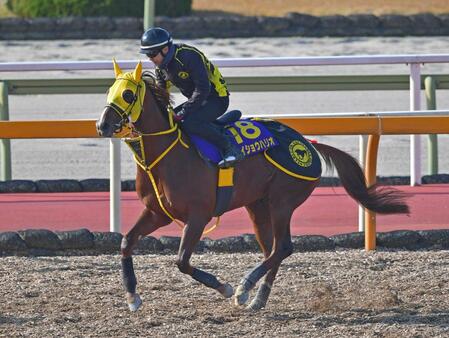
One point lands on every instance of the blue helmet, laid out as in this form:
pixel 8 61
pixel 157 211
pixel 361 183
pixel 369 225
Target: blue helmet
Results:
pixel 154 39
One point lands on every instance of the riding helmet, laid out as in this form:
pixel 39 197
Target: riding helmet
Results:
pixel 154 38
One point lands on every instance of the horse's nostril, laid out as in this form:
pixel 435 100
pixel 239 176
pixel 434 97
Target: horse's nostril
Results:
pixel 103 128
pixel 106 130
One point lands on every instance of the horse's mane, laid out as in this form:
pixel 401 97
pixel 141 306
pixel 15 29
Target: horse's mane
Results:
pixel 161 95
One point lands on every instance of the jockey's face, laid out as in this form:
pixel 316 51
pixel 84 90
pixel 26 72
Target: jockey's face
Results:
pixel 158 59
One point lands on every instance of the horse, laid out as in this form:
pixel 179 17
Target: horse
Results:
pixel 174 183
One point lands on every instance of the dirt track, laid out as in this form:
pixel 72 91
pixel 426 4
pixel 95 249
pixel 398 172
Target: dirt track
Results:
pixel 343 293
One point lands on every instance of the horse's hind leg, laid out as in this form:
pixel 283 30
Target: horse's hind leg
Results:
pixel 259 213
pixel 190 237
pixel 260 216
pixel 282 248
pixel 146 224
pixel 283 200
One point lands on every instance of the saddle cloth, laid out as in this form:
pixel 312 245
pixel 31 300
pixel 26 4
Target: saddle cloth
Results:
pixel 295 155
pixel 283 146
pixel 248 136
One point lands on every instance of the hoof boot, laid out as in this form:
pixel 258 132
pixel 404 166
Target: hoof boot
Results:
pixel 226 290
pixel 135 303
pixel 241 296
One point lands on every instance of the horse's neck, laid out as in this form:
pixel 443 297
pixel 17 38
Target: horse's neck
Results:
pixel 154 121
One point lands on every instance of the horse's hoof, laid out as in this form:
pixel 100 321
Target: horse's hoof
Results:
pixel 135 303
pixel 241 296
pixel 256 305
pixel 261 298
pixel 226 290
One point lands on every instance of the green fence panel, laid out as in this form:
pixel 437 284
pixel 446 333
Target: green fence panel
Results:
pixel 5 145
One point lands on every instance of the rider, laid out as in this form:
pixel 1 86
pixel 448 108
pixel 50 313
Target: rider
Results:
pixel 199 80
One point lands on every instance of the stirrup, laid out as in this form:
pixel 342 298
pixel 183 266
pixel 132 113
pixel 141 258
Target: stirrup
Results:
pixel 227 162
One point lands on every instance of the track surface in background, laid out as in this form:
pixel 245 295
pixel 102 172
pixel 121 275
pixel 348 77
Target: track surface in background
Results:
pixel 327 212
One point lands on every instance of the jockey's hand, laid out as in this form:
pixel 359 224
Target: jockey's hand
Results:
pixel 179 116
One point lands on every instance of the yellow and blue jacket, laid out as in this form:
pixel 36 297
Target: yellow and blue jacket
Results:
pixel 193 74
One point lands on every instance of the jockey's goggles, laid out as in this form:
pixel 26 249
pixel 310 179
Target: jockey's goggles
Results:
pixel 153 53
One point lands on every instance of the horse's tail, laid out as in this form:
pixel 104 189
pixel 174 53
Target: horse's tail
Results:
pixel 382 200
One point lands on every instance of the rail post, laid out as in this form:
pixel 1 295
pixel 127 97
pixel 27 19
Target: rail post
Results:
pixel 148 13
pixel 432 141
pixel 415 140
pixel 115 187
pixel 363 140
pixel 5 144
pixel 370 176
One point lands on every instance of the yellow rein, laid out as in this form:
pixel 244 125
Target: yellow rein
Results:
pixel 156 161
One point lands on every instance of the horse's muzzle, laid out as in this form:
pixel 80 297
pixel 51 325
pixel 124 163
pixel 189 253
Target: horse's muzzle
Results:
pixel 104 129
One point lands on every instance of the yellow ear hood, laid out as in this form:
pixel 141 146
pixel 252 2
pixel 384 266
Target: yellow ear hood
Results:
pixel 137 74
pixel 131 81
pixel 117 69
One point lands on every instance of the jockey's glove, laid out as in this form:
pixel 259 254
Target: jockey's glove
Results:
pixel 179 116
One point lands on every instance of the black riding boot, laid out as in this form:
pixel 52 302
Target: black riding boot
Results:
pixel 230 155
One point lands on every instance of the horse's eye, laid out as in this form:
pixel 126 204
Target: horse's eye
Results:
pixel 128 96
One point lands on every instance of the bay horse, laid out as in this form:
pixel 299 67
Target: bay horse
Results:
pixel 174 182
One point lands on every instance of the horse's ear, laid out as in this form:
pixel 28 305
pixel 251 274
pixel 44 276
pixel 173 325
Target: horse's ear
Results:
pixel 117 69
pixel 137 74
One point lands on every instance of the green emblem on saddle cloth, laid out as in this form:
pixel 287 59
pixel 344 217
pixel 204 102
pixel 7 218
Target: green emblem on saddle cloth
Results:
pixel 300 153
pixel 294 155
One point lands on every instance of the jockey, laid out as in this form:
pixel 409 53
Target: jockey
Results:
pixel 199 80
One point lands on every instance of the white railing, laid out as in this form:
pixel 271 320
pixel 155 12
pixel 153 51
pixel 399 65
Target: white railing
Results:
pixel 414 62
pixel 234 62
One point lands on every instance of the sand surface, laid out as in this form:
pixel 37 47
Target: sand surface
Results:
pixel 327 294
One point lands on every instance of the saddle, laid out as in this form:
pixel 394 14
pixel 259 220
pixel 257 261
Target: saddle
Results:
pixel 248 136
pixel 229 117
pixel 281 145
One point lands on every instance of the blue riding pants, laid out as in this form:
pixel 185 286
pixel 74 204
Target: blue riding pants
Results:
pixel 200 122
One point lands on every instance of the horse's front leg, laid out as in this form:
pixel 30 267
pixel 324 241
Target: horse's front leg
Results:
pixel 190 237
pixel 145 225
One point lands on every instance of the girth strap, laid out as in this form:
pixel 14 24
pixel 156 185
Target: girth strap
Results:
pixel 225 189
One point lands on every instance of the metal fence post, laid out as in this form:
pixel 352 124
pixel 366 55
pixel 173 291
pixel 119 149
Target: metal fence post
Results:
pixel 415 140
pixel 5 144
pixel 149 13
pixel 115 186
pixel 432 142
pixel 363 142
